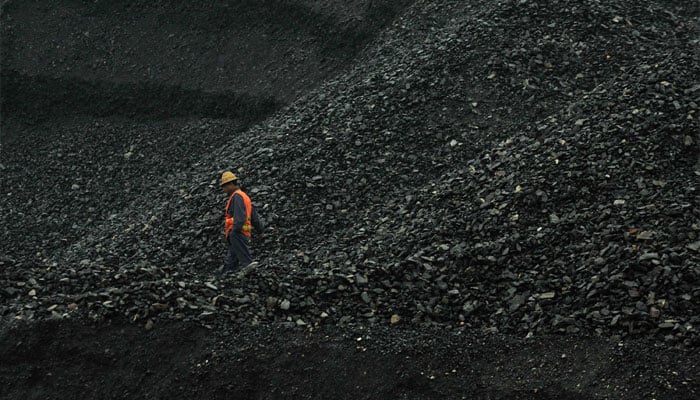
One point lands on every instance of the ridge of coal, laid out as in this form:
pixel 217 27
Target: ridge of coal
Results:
pixel 276 48
pixel 39 97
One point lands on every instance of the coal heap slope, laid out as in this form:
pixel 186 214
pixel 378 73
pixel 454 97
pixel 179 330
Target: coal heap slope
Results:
pixel 522 167
pixel 103 103
pixel 266 48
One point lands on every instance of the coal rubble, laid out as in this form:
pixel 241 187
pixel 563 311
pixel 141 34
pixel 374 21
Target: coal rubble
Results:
pixel 522 167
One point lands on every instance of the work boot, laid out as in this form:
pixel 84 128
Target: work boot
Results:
pixel 243 271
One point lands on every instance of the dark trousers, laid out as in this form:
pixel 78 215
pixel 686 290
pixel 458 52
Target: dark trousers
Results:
pixel 238 255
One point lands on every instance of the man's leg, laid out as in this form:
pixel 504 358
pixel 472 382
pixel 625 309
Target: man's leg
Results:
pixel 231 261
pixel 239 246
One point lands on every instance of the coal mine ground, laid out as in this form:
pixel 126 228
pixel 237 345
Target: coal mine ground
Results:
pixel 464 199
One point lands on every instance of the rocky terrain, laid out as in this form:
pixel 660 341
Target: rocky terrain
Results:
pixel 510 174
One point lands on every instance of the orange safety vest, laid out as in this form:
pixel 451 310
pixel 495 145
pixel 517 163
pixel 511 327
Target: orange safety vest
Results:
pixel 247 226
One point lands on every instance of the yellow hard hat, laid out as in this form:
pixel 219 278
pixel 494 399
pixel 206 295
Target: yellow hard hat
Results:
pixel 227 177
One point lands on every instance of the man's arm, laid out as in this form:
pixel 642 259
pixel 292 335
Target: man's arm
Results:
pixel 239 214
pixel 257 223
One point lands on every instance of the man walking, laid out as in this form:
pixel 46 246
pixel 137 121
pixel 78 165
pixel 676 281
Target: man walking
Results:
pixel 241 219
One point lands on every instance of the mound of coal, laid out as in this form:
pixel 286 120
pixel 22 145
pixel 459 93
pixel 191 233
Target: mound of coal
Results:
pixel 267 48
pixel 521 167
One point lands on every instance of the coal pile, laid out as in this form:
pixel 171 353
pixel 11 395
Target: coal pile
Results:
pixel 518 167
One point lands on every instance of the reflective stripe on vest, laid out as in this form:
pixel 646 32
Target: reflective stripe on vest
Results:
pixel 247 226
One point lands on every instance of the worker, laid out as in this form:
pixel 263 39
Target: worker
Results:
pixel 241 219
